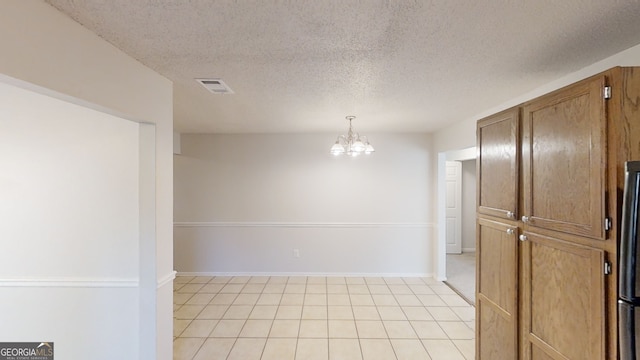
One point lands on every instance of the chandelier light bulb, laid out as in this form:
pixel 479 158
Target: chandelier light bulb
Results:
pixel 337 149
pixel 368 149
pixel 358 146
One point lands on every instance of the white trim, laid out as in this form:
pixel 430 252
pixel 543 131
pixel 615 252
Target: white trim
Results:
pixel 302 224
pixel 461 155
pixel 148 310
pixel 440 253
pixel 167 279
pixel 25 85
pixel 424 275
pixel 70 282
pixel 468 250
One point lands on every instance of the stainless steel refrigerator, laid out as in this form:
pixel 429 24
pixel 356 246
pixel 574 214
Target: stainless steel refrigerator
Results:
pixel 629 267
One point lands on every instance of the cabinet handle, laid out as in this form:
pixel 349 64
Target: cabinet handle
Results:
pixel 523 237
pixel 511 215
pixel 525 219
pixel 510 231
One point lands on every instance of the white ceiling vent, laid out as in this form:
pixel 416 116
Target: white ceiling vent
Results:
pixel 216 86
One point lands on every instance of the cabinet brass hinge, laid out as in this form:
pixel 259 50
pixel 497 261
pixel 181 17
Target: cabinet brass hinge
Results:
pixel 607 224
pixel 607 92
pixel 607 268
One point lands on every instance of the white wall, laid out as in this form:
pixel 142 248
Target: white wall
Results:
pixel 469 205
pixel 243 203
pixel 44 47
pixel 69 190
pixel 463 133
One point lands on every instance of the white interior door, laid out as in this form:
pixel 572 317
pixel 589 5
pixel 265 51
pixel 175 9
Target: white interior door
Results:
pixel 454 207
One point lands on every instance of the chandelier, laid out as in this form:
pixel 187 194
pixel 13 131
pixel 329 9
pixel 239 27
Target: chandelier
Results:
pixel 351 144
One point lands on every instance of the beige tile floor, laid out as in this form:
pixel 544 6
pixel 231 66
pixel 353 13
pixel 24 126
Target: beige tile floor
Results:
pixel 320 318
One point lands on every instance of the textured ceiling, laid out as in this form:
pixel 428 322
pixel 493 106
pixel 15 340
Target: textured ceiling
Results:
pixel 398 65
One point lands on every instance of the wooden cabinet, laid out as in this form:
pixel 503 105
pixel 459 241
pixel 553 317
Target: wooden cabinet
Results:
pixel 496 300
pixel 559 170
pixel 562 299
pixel 564 160
pixel 496 246
pixel 498 144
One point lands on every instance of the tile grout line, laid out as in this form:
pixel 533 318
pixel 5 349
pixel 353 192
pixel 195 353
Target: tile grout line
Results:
pixel 274 315
pixel 384 327
pixel 205 340
pixel 355 324
pixel 175 310
pixel 425 308
pixel 326 302
pixel 304 295
pixel 235 341
pixel 246 320
pixel 438 323
pixel 248 316
pixel 225 312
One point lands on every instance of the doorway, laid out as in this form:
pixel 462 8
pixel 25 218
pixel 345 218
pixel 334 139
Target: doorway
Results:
pixel 456 221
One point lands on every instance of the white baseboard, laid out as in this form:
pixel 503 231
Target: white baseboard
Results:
pixel 271 224
pixel 167 279
pixel 423 275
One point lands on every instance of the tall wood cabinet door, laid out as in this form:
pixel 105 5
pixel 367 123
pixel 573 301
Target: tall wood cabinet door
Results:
pixel 496 284
pixel 564 160
pixel 497 163
pixel 562 300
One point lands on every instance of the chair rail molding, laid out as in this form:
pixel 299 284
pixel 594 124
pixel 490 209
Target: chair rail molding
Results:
pixel 304 224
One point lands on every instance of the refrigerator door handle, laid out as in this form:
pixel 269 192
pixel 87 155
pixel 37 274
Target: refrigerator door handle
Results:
pixel 626 330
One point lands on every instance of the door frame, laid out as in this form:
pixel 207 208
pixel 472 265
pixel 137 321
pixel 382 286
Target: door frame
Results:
pixel 469 153
pixel 454 213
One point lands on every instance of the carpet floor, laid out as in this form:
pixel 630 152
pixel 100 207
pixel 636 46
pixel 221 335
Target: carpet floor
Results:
pixel 461 275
